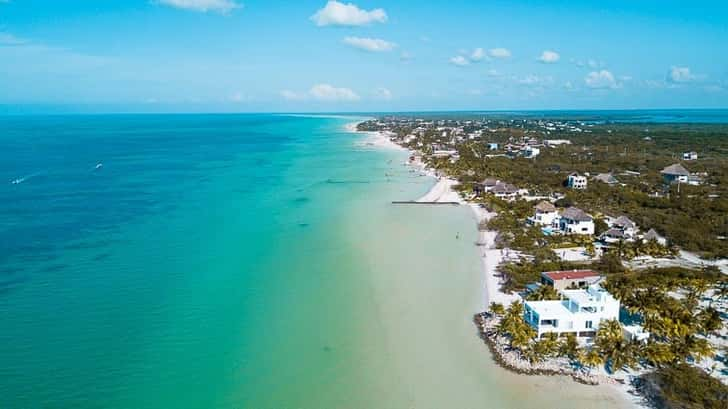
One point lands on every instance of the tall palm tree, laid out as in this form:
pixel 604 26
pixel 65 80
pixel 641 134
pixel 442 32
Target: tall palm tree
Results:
pixel 591 358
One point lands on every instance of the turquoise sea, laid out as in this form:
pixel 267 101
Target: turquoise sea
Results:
pixel 236 261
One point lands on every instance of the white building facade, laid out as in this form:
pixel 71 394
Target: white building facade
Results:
pixel 579 312
pixel 576 181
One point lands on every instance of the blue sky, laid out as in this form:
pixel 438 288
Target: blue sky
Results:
pixel 368 55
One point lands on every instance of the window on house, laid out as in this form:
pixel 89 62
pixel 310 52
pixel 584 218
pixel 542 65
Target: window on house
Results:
pixel 588 324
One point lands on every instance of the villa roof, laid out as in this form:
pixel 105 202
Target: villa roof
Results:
pixel 574 213
pixel 606 178
pixel 570 274
pixel 616 233
pixel 490 182
pixel 545 207
pixel 504 188
pixel 624 222
pixel 652 235
pixel 675 170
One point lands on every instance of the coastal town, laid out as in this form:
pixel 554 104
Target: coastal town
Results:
pixel 604 245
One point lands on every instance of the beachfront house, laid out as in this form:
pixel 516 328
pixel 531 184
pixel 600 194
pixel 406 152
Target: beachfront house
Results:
pixel 675 173
pixel 505 191
pixel 574 221
pixel 563 280
pixel 486 185
pixel 544 215
pixel 576 181
pixel 578 312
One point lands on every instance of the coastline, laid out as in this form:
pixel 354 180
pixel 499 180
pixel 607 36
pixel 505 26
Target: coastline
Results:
pixel 490 258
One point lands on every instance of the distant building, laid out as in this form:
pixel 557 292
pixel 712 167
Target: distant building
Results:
pixel 690 156
pixel 562 280
pixel 580 312
pixel 624 224
pixel 505 191
pixel 653 235
pixel 545 214
pixel 675 173
pixel 531 152
pixel 486 185
pixel 575 221
pixel 576 181
pixel 607 178
pixel 493 146
pixel 556 142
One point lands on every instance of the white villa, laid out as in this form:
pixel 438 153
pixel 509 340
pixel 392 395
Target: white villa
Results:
pixel 575 221
pixel 690 155
pixel 578 312
pixel 544 215
pixel 576 181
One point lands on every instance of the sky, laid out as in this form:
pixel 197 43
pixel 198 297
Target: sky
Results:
pixel 361 56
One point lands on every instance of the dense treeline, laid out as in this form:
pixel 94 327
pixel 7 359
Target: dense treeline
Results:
pixel 693 217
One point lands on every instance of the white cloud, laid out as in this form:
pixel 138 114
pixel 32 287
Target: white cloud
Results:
pixel 493 73
pixel 680 74
pixel 340 14
pixel 477 55
pixel 532 80
pixel 549 57
pixel 326 92
pixel 459 60
pixel 529 80
pixel 383 93
pixel 601 79
pixel 499 52
pixel 370 44
pixel 217 6
pixel 291 96
pixel 239 97
pixel 9 39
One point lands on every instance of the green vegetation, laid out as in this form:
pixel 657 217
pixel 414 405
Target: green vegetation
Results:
pixel 693 217
pixel 684 387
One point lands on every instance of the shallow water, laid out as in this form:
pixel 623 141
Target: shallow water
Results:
pixel 236 261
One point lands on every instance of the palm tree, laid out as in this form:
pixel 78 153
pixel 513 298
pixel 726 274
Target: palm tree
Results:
pixel 591 358
pixel 497 308
pixel 544 292
pixel 658 354
pixel 569 346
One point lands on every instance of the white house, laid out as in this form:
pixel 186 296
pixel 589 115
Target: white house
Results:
pixel 621 228
pixel 544 215
pixel 690 155
pixel 530 152
pixel 556 142
pixel 575 221
pixel 579 312
pixel 576 181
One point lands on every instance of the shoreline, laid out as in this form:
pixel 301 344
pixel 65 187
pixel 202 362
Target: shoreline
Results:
pixel 490 258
